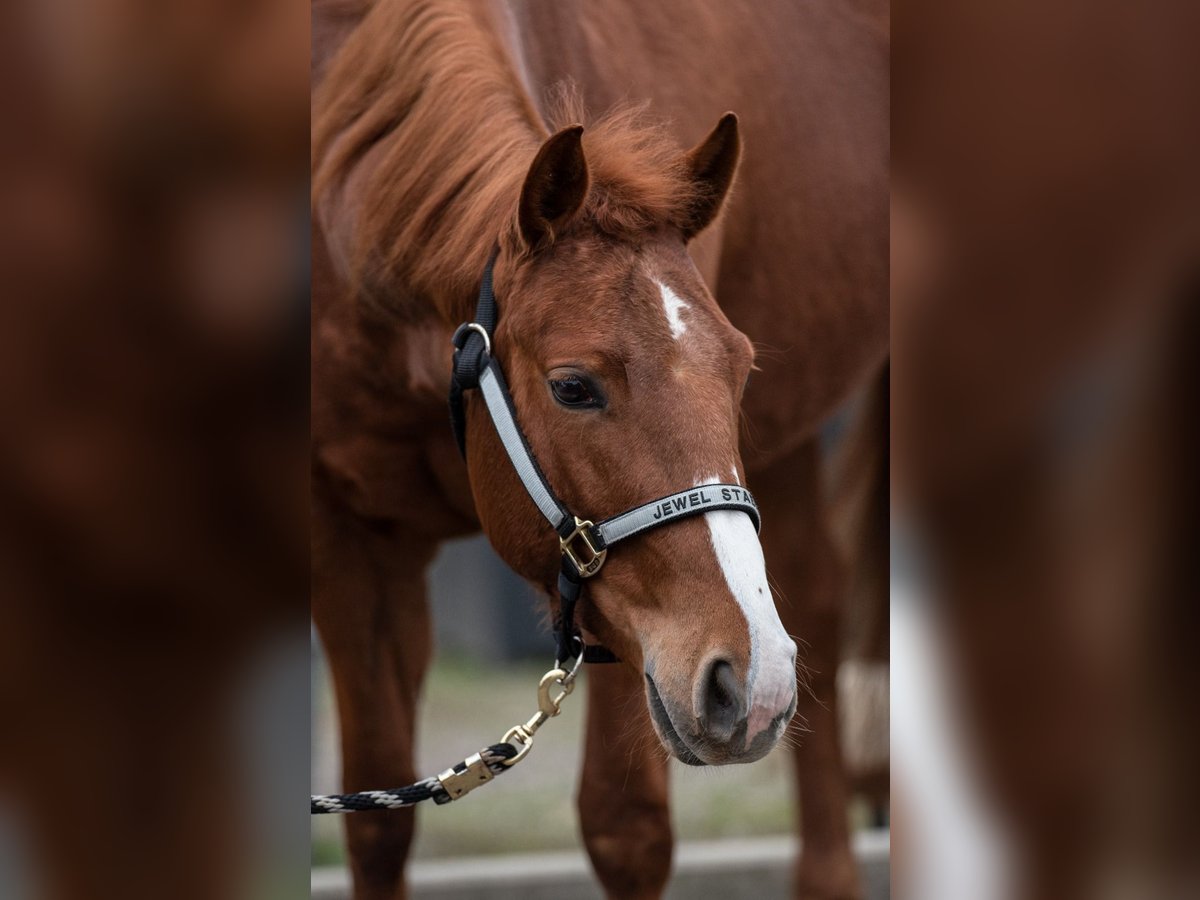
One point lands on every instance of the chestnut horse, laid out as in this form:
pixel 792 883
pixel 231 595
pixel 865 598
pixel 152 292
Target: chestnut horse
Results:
pixel 431 147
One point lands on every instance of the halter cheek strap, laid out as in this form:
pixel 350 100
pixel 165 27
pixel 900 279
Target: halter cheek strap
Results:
pixel 584 544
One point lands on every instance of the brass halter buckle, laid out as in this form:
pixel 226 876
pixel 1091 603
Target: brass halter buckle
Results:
pixel 588 562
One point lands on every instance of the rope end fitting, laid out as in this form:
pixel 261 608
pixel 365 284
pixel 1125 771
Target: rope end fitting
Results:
pixel 464 778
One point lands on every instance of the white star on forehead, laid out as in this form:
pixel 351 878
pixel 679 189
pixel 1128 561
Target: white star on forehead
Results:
pixel 673 305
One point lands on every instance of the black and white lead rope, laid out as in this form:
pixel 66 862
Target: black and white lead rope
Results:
pixel 440 789
pixel 584 547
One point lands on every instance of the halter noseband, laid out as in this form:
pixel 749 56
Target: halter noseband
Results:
pixel 584 544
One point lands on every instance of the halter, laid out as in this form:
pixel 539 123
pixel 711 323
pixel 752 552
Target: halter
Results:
pixel 584 544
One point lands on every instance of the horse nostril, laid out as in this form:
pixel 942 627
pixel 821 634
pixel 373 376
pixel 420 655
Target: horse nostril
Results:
pixel 724 704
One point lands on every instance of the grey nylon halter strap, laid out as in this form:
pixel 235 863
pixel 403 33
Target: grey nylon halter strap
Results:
pixel 584 544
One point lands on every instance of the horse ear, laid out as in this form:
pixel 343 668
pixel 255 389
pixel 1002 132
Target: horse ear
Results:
pixel 711 165
pixel 555 187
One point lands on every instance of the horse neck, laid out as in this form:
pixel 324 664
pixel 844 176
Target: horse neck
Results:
pixel 422 137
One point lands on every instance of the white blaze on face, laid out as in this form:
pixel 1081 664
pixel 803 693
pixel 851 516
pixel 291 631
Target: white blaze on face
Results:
pixel 771 677
pixel 673 305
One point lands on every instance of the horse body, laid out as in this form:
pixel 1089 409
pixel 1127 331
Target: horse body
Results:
pixel 798 263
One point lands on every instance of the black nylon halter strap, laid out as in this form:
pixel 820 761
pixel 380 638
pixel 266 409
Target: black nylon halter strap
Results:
pixel 584 545
pixel 472 348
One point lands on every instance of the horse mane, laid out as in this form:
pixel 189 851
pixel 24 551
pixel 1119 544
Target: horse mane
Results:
pixel 424 133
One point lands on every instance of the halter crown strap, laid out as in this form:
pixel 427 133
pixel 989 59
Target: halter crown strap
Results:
pixel 584 544
pixel 472 349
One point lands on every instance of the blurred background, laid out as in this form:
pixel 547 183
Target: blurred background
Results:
pixel 1045 263
pixel 153 449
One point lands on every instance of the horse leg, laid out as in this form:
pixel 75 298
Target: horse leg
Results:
pixel 369 606
pixel 803 565
pixel 622 799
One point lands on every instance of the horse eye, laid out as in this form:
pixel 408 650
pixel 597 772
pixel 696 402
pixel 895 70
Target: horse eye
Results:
pixel 572 391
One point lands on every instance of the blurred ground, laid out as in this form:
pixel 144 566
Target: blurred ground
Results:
pixel 728 869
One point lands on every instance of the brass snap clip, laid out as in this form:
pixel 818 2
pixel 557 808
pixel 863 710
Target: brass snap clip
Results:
pixel 549 706
pixel 589 561
pixel 552 706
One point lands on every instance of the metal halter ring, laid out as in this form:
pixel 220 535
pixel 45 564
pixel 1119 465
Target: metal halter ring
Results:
pixel 477 328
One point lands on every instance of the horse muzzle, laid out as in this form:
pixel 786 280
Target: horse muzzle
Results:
pixel 722 724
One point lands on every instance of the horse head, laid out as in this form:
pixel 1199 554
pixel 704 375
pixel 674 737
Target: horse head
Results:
pixel 627 380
